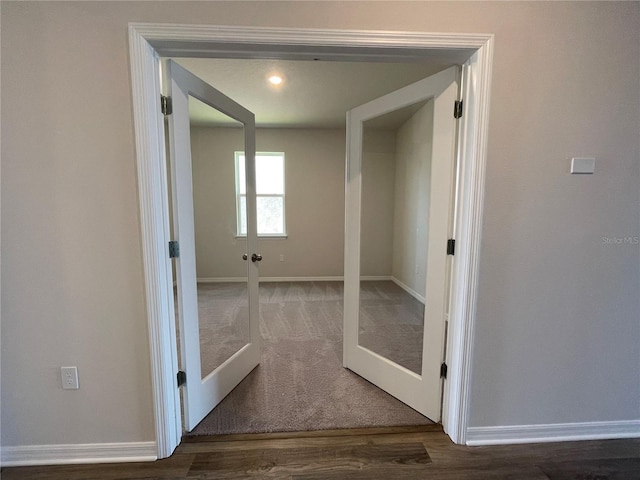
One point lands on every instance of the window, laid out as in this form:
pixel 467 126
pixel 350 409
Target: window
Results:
pixel 269 194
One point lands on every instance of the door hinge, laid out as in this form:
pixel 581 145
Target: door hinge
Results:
pixel 443 370
pixel 451 246
pixel 166 105
pixel 174 249
pixel 182 378
pixel 457 109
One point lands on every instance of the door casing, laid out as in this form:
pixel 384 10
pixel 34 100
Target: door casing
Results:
pixel 148 42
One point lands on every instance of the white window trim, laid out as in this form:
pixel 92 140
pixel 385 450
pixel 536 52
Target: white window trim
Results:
pixel 282 235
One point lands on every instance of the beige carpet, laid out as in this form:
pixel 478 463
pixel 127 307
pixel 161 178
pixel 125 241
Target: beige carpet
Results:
pixel 300 383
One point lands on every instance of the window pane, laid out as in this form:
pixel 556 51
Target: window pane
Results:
pixel 270 215
pixel 242 224
pixel 242 179
pixel 269 174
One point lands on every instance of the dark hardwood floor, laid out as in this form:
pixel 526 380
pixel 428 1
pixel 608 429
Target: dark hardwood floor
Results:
pixel 423 452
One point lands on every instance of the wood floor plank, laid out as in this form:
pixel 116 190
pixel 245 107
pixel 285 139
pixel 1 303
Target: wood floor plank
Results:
pixel 342 432
pixel 443 452
pixel 599 469
pixel 287 462
pixel 172 468
pixel 244 445
pixel 430 472
pixel 410 455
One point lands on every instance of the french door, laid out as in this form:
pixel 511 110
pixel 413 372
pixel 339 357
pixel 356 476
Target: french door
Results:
pixel 219 342
pixel 399 190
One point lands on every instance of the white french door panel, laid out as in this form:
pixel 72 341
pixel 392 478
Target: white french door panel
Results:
pixel 421 388
pixel 204 390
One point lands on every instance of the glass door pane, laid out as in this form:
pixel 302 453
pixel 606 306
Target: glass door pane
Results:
pixel 222 273
pixel 396 175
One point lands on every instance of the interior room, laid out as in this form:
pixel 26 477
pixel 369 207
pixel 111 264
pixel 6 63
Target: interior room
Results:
pixel 300 383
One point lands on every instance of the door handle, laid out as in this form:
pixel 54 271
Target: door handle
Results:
pixel 256 257
pixel 244 256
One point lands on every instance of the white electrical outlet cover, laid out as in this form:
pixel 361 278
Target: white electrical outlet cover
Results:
pixel 69 377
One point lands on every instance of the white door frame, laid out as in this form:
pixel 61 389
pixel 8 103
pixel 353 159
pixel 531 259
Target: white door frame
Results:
pixel 147 42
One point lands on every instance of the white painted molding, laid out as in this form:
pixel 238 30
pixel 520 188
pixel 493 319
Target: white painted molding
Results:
pixel 472 159
pixel 556 432
pixel 247 42
pixel 269 279
pixel 375 278
pixel 148 41
pixel 409 290
pixel 154 221
pixel 338 278
pixel 222 279
pixel 78 453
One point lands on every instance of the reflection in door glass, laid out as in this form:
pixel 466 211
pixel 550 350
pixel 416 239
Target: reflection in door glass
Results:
pixel 223 302
pixel 396 173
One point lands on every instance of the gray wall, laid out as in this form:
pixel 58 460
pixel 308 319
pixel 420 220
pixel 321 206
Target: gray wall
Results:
pixel 396 174
pixel 314 203
pixel 411 205
pixel 315 168
pixel 557 329
pixel 377 202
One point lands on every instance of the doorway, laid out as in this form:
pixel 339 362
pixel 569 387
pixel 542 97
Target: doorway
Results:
pixel 148 41
pixel 300 383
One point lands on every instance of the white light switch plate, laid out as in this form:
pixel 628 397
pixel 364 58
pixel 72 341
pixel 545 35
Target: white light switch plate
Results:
pixel 583 165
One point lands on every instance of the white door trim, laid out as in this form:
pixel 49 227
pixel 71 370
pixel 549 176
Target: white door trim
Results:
pixel 148 41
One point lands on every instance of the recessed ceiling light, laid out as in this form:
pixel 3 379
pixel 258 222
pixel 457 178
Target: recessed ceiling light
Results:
pixel 275 79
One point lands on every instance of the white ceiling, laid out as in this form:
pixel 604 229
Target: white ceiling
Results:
pixel 314 94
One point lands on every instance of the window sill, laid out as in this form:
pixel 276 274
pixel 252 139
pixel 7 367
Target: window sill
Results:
pixel 267 237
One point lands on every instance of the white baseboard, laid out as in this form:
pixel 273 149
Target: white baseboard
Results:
pixel 78 453
pixel 558 432
pixel 302 279
pixel 270 279
pixel 288 279
pixel 221 279
pixel 408 289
